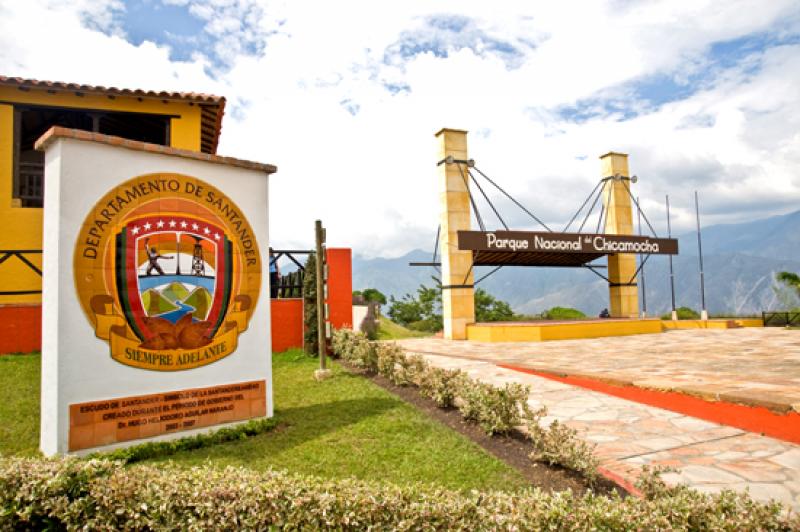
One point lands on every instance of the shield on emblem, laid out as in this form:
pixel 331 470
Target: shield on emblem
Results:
pixel 172 269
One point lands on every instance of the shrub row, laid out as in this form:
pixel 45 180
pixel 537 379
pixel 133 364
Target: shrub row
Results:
pixel 496 410
pixel 104 495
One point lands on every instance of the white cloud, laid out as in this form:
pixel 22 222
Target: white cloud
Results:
pixel 309 90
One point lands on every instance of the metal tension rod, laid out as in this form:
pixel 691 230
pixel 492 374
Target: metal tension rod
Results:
pixel 600 275
pixel 488 274
pixel 506 194
pixel 636 202
pixel 591 209
pixel 471 199
pixel 575 216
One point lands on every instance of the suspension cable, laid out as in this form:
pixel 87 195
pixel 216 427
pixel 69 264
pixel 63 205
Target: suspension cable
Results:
pixel 608 209
pixel 518 204
pixel 636 202
pixel 488 274
pixel 591 209
pixel 436 246
pixel 582 206
pixel 471 199
pixel 487 199
pixel 600 218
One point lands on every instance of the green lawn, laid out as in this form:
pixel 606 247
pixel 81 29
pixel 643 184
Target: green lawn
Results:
pixel 342 427
pixel 389 330
pixel 19 404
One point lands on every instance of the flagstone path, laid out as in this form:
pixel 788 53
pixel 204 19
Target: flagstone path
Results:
pixel 707 456
pixel 750 366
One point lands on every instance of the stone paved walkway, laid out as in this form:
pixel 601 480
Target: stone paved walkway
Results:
pixel 628 435
pixel 751 366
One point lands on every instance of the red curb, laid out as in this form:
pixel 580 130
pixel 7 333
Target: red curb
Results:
pixel 757 419
pixel 620 481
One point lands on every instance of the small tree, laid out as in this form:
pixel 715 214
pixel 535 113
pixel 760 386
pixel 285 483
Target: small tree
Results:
pixel 787 290
pixel 373 295
pixel 311 340
pixel 488 308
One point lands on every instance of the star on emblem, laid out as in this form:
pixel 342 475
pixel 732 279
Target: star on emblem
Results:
pixel 183 225
pixel 147 226
pixel 135 230
pixel 195 227
pixel 160 224
pixel 172 223
pixel 207 231
pixel 216 236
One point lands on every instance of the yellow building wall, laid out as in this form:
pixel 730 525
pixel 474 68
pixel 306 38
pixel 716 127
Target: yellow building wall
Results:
pixel 21 228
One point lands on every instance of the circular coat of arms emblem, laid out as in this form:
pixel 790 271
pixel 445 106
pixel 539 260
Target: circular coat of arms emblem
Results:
pixel 168 271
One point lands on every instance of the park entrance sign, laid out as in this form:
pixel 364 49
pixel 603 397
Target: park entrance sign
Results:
pixel 153 264
pixel 528 248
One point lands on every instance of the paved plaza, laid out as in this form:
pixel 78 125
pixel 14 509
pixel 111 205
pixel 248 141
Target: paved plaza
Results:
pixel 707 456
pixel 751 366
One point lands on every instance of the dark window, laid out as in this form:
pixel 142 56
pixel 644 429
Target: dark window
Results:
pixel 31 122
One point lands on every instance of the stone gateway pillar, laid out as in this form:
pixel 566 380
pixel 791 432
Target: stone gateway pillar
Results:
pixel 458 301
pixel 622 288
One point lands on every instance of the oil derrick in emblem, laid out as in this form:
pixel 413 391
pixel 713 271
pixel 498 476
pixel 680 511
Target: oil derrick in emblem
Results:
pixel 198 264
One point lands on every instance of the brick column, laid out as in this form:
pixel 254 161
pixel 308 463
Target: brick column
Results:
pixel 623 296
pixel 458 304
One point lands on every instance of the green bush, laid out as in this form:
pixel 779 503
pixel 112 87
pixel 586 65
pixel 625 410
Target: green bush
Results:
pixel 409 370
pixel 388 357
pixel 559 444
pixel 562 313
pixel 495 410
pixel 310 325
pixel 441 385
pixel 75 494
pixel 684 313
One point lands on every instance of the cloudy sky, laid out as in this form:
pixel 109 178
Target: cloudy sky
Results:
pixel 345 96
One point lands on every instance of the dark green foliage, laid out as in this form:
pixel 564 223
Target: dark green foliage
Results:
pixel 790 279
pixel 373 295
pixel 487 308
pixel 684 313
pixel 562 313
pixel 420 313
pixel 311 338
pixel 424 312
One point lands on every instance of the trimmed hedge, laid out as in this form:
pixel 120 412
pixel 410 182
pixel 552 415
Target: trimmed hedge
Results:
pixel 104 495
pixel 496 410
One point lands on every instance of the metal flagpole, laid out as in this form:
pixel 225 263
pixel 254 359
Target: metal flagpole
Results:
pixel 641 265
pixel 703 312
pixel 671 272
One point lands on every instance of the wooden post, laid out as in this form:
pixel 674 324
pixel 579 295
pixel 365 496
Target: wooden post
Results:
pixel 323 372
pixel 458 297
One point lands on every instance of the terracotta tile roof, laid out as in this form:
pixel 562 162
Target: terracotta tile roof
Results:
pixel 212 107
pixel 56 132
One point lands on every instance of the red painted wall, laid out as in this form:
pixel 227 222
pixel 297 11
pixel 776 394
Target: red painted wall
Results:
pixel 287 324
pixel 340 288
pixel 20 328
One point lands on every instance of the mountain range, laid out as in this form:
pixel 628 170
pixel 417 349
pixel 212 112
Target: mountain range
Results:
pixel 740 262
pixel 167 299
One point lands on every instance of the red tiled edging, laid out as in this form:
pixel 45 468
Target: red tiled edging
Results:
pixel 750 418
